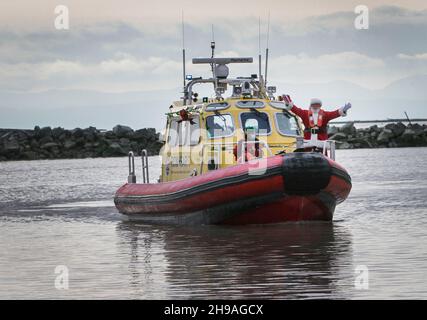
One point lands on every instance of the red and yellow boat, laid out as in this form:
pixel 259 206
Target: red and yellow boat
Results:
pixel 235 160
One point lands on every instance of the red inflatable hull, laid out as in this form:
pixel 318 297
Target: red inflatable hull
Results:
pixel 293 187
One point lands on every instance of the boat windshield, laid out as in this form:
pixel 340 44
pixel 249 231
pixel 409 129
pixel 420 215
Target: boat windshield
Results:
pixel 217 106
pixel 259 120
pixel 250 104
pixel 286 124
pixel 219 125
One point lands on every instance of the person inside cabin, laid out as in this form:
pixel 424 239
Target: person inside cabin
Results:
pixel 315 119
pixel 249 146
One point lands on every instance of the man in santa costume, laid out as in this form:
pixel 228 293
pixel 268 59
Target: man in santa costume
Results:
pixel 315 119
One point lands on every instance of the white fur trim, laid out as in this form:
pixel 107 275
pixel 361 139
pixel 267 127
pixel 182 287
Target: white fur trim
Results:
pixel 315 101
pixel 341 111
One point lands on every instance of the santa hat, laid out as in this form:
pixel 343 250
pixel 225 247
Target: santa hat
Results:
pixel 315 101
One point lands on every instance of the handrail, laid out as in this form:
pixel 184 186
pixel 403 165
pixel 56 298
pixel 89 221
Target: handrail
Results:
pixel 324 145
pixel 144 158
pixel 131 160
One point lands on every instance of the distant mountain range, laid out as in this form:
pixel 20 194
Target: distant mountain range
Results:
pixel 78 108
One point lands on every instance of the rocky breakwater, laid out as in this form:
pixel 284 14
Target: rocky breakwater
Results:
pixel 392 135
pixel 59 143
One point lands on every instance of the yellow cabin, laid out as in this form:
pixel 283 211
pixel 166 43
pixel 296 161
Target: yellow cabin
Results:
pixel 203 135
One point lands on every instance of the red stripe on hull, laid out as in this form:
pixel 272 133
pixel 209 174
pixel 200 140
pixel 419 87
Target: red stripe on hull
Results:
pixel 200 201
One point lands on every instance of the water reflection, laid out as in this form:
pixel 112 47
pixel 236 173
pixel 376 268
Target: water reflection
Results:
pixel 310 260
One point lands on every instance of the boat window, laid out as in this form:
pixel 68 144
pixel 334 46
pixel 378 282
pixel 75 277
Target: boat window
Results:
pixel 194 132
pixel 278 104
pixel 173 133
pixel 286 124
pixel 219 125
pixel 250 104
pixel 217 106
pixel 259 120
pixel 184 133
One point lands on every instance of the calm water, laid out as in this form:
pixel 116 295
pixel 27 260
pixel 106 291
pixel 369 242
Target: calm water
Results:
pixel 61 213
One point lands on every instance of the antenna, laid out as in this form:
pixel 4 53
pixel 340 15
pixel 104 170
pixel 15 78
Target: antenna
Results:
pixel 266 50
pixel 183 56
pixel 259 47
pixel 213 49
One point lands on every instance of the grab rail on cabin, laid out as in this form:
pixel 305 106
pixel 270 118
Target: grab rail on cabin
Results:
pixel 144 158
pixel 131 160
pixel 323 145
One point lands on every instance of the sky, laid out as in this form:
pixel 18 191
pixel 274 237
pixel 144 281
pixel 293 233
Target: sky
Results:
pixel 120 61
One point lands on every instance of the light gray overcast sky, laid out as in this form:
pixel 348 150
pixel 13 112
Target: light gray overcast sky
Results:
pixel 120 61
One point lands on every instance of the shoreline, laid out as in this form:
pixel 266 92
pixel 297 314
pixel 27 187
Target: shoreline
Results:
pixel 58 143
pixel 392 135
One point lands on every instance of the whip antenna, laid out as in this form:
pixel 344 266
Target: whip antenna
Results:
pixel 213 50
pixel 259 48
pixel 266 50
pixel 183 56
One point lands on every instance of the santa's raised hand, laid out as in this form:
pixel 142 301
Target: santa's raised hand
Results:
pixel 288 101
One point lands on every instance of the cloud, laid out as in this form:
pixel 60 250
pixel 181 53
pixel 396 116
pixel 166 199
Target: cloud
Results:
pixel 349 66
pixel 420 56
pixel 116 74
pixel 110 55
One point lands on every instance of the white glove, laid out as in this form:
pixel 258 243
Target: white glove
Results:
pixel 346 107
pixel 288 101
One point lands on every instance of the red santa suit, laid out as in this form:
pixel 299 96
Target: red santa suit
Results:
pixel 316 123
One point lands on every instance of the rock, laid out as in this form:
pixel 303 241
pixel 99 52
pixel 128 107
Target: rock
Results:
pixel 122 131
pixel 385 136
pixel 108 135
pixel 45 140
pixel 30 155
pixel 407 136
pixel 114 149
pixel 344 145
pixel 396 128
pixel 34 144
pixel 360 143
pixel 392 144
pixel 45 132
pixel 374 128
pixel 77 133
pixel 374 135
pixel 124 141
pixel 339 136
pixel 332 130
pixel 11 146
pixel 69 144
pixel 416 128
pixel 348 128
pixel 50 145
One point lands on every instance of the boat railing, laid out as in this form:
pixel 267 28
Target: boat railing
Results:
pixel 144 158
pixel 131 161
pixel 323 145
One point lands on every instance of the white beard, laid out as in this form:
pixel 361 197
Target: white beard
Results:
pixel 315 115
